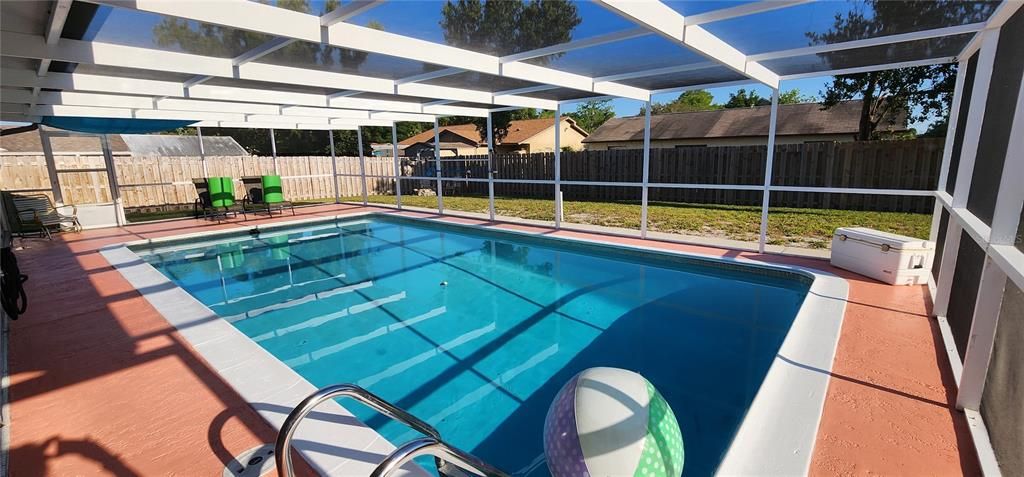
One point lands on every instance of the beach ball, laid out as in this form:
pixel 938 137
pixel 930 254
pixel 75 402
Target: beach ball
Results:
pixel 612 422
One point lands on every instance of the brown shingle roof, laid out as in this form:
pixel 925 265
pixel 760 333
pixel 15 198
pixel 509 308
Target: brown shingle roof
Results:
pixel 804 118
pixel 28 142
pixel 518 131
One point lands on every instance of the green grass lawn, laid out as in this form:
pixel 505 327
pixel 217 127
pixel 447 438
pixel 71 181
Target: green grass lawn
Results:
pixel 786 226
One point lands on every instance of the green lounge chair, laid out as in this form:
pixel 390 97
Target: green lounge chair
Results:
pixel 264 193
pixel 36 214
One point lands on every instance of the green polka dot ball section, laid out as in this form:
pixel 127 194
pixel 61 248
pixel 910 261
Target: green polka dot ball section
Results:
pixel 663 447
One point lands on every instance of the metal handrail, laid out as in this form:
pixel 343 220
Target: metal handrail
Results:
pixel 437 448
pixel 283 446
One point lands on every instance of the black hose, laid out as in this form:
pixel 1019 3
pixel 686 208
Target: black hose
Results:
pixel 13 298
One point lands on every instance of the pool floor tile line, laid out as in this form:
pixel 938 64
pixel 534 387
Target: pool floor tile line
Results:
pixel 101 383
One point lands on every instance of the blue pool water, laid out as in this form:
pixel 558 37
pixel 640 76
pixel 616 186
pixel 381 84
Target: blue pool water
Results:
pixel 482 357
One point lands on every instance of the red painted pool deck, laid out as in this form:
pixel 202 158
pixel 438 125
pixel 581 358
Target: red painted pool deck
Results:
pixel 101 384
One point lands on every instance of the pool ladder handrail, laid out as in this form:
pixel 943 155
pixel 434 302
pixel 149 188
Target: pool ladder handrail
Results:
pixel 430 445
pixel 441 451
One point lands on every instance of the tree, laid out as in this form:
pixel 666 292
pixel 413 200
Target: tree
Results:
pixel 696 100
pixel 889 94
pixel 794 96
pixel 742 99
pixel 702 100
pixel 592 114
pixel 504 27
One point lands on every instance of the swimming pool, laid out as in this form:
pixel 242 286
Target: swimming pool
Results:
pixel 475 330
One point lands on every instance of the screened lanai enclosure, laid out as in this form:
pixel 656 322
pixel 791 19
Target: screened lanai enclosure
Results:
pixel 109 66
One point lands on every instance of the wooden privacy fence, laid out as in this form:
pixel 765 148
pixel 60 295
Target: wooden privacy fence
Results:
pixel 155 181
pixel 167 180
pixel 908 165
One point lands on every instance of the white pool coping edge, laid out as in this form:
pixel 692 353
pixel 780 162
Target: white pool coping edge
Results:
pixel 803 364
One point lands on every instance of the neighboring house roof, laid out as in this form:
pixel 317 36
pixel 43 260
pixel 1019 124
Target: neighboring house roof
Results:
pixel 27 140
pixel 519 131
pixel 794 119
pixel 172 145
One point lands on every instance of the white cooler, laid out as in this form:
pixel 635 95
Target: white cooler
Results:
pixel 890 258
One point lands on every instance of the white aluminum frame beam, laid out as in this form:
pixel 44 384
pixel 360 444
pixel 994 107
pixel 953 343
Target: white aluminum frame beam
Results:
pixel 742 11
pixel 300 26
pixel 868 68
pixel 581 43
pixel 204 119
pixel 769 161
pixel 869 42
pixel 54 27
pixel 171 95
pixel 107 54
pixel 348 10
pixel 665 21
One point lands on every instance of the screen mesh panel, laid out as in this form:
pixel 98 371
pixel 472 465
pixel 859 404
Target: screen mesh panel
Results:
pixel 817 23
pixel 961 124
pixel 964 293
pixel 1002 404
pixel 995 132
pixel 940 243
pixel 894 53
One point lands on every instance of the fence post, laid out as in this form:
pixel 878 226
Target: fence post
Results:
pixel 398 165
pixel 768 169
pixel 490 167
pixel 334 168
pixel 647 167
pixel 202 152
pixel 362 162
pixel 437 165
pixel 558 166
pixel 273 150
